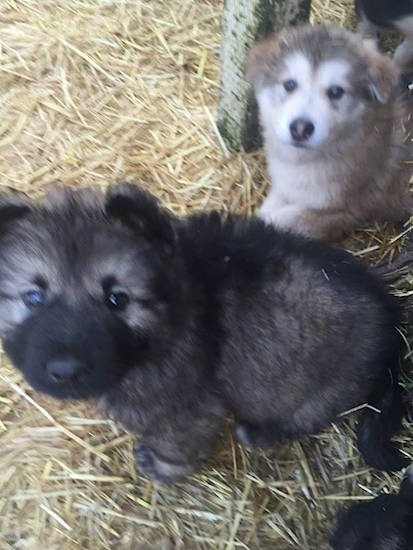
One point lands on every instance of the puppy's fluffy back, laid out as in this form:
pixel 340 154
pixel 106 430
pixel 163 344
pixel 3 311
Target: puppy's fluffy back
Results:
pixel 309 301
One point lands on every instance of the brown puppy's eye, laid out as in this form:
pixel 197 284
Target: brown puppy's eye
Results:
pixel 335 92
pixel 117 301
pixel 290 85
pixel 34 298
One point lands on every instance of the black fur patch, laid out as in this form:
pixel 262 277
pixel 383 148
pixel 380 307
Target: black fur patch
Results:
pixel 384 13
pixel 386 522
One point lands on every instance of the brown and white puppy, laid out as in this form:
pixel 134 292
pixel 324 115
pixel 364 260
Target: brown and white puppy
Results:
pixel 172 323
pixel 333 130
pixel 384 523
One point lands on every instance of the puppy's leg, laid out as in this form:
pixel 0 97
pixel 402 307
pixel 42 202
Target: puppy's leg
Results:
pixel 271 206
pixel 173 447
pixel 259 435
pixel 162 468
pixel 309 418
pixel 377 427
pixel 284 216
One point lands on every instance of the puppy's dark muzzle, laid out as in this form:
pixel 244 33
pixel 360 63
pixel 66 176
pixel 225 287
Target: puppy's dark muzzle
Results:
pixel 65 370
pixel 72 351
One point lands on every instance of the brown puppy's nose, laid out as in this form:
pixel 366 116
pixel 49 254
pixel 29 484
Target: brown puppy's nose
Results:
pixel 301 129
pixel 64 370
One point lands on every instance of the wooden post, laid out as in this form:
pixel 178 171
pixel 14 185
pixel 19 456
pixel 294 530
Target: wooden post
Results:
pixel 244 22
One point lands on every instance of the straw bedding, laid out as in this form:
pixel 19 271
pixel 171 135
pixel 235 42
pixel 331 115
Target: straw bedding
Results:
pixel 98 91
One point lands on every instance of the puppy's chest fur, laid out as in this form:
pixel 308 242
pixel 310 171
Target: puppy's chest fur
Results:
pixel 329 193
pixel 312 185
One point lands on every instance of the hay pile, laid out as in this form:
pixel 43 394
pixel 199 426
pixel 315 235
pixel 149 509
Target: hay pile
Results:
pixel 97 91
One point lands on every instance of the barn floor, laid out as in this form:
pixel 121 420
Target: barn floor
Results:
pixel 94 91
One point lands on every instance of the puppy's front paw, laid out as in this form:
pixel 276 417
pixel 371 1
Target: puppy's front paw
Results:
pixel 157 468
pixel 287 217
pixel 267 212
pixel 144 458
pixel 251 436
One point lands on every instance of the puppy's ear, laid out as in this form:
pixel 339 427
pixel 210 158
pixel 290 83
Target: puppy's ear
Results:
pixel 262 60
pixel 383 73
pixel 12 207
pixel 141 212
pixel 59 195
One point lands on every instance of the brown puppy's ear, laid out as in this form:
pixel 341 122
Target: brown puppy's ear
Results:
pixel 13 206
pixel 60 195
pixel 141 212
pixel 262 59
pixel 383 73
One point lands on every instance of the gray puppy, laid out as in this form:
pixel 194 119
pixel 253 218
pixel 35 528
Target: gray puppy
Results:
pixel 172 323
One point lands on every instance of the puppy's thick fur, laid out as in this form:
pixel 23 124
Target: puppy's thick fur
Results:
pixel 385 523
pixel 173 323
pixel 334 131
pixel 391 15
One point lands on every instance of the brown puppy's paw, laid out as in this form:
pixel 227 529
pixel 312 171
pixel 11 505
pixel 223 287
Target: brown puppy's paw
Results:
pixel 159 469
pixel 252 436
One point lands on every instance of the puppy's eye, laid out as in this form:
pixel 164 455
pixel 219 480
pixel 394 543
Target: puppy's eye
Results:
pixel 290 85
pixel 34 298
pixel 117 301
pixel 335 92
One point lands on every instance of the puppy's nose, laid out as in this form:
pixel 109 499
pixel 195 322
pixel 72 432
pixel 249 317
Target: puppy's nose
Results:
pixel 65 370
pixel 301 129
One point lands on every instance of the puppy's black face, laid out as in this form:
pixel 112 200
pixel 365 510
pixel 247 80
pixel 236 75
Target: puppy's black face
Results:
pixel 80 296
pixel 71 352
